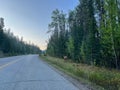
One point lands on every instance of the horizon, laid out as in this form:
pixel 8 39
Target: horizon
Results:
pixel 30 19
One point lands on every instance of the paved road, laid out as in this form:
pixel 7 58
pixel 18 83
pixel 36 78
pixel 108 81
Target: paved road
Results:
pixel 30 73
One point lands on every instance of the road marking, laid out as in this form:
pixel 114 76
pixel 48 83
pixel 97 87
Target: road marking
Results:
pixel 12 62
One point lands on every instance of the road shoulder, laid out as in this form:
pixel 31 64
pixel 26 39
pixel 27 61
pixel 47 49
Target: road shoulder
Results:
pixel 82 85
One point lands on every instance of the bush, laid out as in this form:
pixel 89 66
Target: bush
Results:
pixel 108 80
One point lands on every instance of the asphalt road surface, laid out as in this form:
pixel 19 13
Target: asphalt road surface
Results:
pixel 30 73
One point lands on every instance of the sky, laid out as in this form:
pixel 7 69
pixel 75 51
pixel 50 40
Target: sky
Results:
pixel 30 18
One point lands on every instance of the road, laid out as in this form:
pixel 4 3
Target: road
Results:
pixel 28 72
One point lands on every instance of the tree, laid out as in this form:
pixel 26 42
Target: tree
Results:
pixel 57 42
pixel 111 33
pixel 93 35
pixel 1 33
pixel 12 45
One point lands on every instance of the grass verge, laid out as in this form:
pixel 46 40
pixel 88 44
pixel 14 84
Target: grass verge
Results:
pixel 91 75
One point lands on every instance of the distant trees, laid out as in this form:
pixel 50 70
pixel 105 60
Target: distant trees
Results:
pixel 89 34
pixel 1 34
pixel 12 45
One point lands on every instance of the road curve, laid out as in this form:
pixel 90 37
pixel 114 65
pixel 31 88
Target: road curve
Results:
pixel 30 73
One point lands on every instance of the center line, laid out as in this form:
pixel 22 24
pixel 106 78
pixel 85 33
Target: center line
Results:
pixel 5 65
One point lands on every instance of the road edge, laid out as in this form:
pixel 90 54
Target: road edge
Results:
pixel 72 79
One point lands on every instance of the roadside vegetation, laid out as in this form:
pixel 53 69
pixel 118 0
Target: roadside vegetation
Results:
pixel 89 34
pixel 108 79
pixel 12 45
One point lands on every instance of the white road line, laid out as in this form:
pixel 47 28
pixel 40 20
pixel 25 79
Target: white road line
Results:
pixel 12 62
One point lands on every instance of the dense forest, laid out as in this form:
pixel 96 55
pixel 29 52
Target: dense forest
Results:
pixel 89 34
pixel 12 45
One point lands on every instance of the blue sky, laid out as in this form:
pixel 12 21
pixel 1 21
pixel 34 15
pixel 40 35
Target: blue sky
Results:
pixel 30 18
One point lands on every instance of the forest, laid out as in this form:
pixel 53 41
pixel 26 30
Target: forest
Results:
pixel 11 45
pixel 89 34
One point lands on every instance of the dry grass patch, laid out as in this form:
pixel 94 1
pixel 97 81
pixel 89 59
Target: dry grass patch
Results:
pixel 108 79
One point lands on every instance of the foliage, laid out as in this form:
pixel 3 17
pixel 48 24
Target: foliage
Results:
pixel 12 45
pixel 93 35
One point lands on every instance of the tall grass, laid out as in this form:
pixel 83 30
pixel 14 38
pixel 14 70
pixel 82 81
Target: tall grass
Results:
pixel 108 79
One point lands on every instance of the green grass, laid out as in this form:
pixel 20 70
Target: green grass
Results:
pixel 108 79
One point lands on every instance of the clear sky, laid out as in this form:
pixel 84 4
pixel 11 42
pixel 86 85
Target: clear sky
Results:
pixel 30 18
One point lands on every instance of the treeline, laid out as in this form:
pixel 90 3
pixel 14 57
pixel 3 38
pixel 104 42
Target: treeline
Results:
pixel 88 34
pixel 12 45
